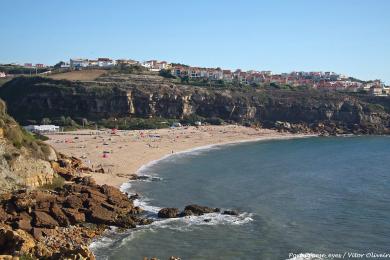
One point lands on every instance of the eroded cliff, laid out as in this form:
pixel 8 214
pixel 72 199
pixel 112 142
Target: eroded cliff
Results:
pixel 24 161
pixel 141 96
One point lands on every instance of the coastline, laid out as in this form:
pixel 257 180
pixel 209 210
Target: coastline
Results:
pixel 130 152
pixel 216 136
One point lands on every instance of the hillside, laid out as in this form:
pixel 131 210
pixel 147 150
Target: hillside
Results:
pixel 24 161
pixel 122 95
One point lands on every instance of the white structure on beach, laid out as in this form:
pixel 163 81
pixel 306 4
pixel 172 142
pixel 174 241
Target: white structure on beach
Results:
pixel 42 128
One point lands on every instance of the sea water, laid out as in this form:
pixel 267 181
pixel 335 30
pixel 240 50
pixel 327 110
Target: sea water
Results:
pixel 313 195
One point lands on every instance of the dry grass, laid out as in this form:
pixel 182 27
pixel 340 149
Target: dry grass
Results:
pixel 83 75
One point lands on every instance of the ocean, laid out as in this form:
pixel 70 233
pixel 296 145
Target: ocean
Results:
pixel 320 195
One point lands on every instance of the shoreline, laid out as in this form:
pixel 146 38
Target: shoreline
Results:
pixel 208 147
pixel 137 153
pixel 125 185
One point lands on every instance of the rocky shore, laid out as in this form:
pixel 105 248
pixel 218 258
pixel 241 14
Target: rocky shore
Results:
pixel 60 223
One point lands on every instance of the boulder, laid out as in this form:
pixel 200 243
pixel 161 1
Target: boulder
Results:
pixel 186 213
pixel 73 201
pixel 23 202
pixel 38 233
pixel 23 222
pixel 116 197
pixel 74 215
pixel 3 215
pixel 99 215
pixel 57 213
pixel 199 210
pixel 94 194
pixel 15 242
pixel 42 219
pixel 125 222
pixel 168 213
pixel 86 181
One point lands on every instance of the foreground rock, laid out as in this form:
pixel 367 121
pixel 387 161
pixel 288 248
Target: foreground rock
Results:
pixel 168 213
pixel 60 223
pixel 192 210
pixel 198 210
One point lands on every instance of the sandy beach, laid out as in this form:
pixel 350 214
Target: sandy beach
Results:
pixel 122 153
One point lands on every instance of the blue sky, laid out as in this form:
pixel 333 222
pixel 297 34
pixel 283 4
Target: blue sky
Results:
pixel 346 36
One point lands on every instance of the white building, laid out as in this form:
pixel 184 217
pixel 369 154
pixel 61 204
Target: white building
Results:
pixel 105 62
pixel 42 128
pixel 155 65
pixel 78 63
pixel 2 74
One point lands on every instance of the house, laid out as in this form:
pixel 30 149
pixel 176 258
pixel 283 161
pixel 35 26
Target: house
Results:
pixel 194 73
pixel 40 65
pixel 2 74
pixel 227 75
pixel 28 65
pixel 387 90
pixel 105 62
pixel 78 63
pixel 126 62
pixel 155 65
pixel 376 90
pixel 93 63
pixel 42 128
pixel 65 65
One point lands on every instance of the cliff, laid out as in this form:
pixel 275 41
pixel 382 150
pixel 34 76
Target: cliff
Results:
pixel 24 161
pixel 153 96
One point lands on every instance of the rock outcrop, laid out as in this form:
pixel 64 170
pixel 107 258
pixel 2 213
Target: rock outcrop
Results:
pixel 191 210
pixel 24 161
pixel 75 213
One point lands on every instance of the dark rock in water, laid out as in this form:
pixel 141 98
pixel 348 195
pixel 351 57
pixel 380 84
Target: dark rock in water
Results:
pixel 198 210
pixel 207 220
pixel 230 212
pixel 142 177
pixel 145 221
pixel 186 213
pixel 134 197
pixel 168 213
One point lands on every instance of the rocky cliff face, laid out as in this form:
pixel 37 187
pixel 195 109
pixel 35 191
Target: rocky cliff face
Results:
pixel 35 98
pixel 24 162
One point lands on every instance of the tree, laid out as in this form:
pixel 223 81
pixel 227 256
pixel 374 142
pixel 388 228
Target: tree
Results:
pixel 166 74
pixel 59 64
pixel 46 121
pixel 185 79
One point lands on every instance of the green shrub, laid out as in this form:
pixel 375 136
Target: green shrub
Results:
pixel 166 74
pixel 57 183
pixel 215 121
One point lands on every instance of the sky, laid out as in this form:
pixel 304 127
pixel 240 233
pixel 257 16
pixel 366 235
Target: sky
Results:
pixel 350 37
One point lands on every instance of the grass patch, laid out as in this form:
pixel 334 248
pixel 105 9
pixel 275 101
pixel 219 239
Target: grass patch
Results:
pixel 57 183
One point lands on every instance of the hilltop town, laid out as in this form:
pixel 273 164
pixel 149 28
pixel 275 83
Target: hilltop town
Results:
pixel 326 81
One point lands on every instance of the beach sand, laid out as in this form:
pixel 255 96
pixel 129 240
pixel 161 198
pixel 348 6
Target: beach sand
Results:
pixel 127 151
